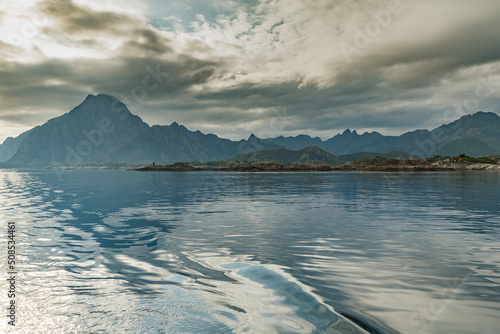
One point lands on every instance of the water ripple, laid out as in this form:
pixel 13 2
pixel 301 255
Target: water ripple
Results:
pixel 116 251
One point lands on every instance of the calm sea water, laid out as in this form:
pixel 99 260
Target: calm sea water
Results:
pixel 106 251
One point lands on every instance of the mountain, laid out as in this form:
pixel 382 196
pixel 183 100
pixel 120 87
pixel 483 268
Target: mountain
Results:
pixel 475 135
pixel 176 143
pixel 296 143
pixel 102 130
pixel 312 155
pixel 11 145
pixel 308 155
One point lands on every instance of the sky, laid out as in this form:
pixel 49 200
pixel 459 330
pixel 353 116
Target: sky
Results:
pixel 268 67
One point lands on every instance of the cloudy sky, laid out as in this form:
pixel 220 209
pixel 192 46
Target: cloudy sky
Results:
pixel 268 67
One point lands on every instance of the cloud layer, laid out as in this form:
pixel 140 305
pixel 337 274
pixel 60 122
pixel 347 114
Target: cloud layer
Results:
pixel 269 67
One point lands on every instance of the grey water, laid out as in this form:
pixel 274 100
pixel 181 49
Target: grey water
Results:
pixel 113 251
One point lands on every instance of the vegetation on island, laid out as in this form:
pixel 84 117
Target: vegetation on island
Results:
pixel 307 160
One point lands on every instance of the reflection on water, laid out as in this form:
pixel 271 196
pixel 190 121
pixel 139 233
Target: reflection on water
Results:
pixel 116 251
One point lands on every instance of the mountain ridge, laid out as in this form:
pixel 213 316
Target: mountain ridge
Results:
pixel 103 130
pixel 311 155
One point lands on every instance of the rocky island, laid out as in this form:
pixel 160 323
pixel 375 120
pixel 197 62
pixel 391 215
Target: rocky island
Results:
pixel 376 164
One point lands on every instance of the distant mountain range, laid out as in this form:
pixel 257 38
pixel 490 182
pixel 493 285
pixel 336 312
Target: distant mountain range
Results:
pixel 102 130
pixel 475 135
pixel 311 155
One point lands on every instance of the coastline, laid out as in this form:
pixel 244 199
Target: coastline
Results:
pixel 449 164
pixel 273 167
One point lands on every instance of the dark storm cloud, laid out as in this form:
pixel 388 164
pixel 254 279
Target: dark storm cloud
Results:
pixel 146 66
pixel 23 92
pixel 121 76
pixel 76 19
pixel 149 40
pixel 420 63
pixel 322 109
pixel 144 53
pixel 24 82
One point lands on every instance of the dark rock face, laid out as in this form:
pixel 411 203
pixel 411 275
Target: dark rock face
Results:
pixel 11 145
pixel 99 130
pixel 102 130
pixel 176 143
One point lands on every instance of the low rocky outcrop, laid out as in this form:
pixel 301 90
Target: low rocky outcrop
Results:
pixel 377 164
pixel 464 162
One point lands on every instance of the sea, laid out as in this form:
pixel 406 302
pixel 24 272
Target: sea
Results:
pixel 117 251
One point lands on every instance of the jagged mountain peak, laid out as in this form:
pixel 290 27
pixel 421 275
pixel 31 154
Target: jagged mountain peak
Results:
pixel 101 104
pixel 483 114
pixel 252 137
pixel 94 131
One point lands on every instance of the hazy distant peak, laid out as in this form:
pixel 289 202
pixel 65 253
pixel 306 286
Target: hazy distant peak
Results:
pixel 480 118
pixel 480 115
pixel 486 114
pixel 349 132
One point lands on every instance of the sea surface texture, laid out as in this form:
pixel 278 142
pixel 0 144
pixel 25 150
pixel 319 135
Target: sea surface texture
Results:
pixel 112 251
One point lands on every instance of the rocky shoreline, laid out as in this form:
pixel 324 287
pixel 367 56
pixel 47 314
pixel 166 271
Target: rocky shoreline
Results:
pixel 403 166
pixel 244 167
